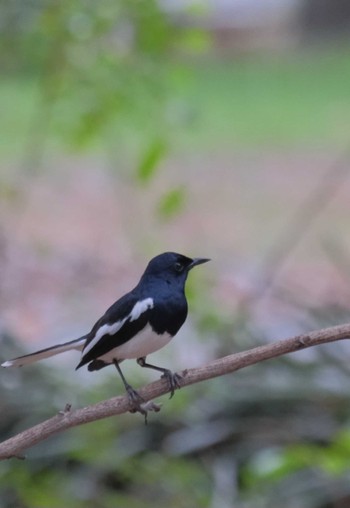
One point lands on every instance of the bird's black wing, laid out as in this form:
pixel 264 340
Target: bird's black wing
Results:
pixel 122 321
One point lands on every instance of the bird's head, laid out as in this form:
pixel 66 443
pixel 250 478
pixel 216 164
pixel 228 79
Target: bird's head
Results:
pixel 171 266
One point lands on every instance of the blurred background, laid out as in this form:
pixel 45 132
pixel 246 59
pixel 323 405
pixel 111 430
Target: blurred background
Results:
pixel 212 128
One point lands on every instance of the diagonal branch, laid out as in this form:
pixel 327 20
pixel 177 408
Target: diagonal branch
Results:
pixel 16 445
pixel 302 220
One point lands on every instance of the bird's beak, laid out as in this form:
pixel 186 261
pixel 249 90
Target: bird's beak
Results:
pixel 198 261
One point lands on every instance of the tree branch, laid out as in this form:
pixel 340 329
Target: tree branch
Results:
pixel 16 445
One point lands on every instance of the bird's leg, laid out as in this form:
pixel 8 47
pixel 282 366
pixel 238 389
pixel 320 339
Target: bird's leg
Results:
pixel 172 378
pixel 134 397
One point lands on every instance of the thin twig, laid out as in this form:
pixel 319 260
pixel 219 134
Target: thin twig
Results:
pixel 16 445
pixel 301 221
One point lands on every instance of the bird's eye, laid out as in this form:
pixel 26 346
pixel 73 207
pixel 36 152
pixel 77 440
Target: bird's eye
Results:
pixel 179 267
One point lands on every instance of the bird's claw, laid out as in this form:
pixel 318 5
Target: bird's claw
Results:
pixel 135 400
pixel 140 405
pixel 173 380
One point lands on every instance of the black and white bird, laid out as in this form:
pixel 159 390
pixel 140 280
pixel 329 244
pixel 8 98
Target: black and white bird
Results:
pixel 136 325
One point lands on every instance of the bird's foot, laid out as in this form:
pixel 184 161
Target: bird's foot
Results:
pixel 173 380
pixel 139 404
pixel 135 400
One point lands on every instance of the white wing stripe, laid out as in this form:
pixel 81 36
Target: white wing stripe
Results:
pixel 104 330
pixel 138 309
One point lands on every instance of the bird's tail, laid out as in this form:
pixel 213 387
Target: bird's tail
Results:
pixel 77 344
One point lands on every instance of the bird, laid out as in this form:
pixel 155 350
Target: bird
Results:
pixel 136 325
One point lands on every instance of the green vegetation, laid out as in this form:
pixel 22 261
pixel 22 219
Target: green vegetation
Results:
pixel 298 99
pixel 293 99
pixel 115 78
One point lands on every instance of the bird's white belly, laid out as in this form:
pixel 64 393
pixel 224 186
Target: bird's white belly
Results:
pixel 143 344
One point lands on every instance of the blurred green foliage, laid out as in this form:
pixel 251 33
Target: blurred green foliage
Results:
pixel 172 202
pixel 109 75
pixel 265 101
pixel 100 70
pixel 150 160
